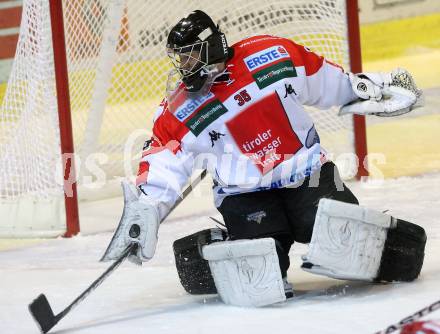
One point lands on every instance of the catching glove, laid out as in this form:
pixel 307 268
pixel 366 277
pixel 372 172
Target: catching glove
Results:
pixel 383 94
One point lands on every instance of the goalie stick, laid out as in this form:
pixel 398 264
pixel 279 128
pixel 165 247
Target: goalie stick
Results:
pixel 40 308
pixel 413 317
pixel 42 312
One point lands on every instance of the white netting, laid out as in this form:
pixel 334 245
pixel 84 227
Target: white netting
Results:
pixel 117 71
pixel 29 135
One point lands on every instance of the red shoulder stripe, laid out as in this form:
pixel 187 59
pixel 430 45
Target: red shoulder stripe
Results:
pixel 142 175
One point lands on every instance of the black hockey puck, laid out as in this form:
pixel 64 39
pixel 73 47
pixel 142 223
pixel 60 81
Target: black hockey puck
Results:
pixel 135 230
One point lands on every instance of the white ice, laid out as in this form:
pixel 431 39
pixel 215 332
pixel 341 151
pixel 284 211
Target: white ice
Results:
pixel 150 299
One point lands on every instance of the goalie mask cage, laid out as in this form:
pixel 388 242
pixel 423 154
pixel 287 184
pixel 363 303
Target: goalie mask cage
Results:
pixel 114 68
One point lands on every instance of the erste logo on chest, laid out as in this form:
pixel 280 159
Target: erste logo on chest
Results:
pixel 189 106
pixel 266 56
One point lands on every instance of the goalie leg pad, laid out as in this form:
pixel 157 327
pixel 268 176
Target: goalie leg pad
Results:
pixel 356 243
pixel 194 272
pixel 347 241
pixel 246 272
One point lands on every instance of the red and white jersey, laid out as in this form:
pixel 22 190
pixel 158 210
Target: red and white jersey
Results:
pixel 251 132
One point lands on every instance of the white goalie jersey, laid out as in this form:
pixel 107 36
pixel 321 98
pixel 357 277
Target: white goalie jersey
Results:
pixel 251 130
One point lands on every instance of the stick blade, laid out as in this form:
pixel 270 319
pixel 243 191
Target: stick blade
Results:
pixel 42 313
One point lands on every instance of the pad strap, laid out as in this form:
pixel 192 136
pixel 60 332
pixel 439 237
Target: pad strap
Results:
pixel 246 272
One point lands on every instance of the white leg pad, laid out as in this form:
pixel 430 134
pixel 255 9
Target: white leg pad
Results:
pixel 246 272
pixel 347 241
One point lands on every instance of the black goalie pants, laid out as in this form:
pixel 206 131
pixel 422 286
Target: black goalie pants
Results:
pixel 286 214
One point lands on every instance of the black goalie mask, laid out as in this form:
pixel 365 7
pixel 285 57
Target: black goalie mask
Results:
pixel 195 45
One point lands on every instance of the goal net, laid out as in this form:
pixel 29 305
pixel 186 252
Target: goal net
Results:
pixel 117 69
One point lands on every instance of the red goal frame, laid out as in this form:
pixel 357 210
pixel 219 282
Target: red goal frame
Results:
pixel 359 124
pixel 64 116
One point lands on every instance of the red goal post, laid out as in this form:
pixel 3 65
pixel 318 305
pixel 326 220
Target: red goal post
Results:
pixel 64 116
pixel 109 72
pixel 359 124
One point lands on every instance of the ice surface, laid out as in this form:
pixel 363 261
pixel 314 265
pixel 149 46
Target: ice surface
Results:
pixel 151 300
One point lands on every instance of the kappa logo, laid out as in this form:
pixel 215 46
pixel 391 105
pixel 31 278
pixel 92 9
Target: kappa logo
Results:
pixel 256 217
pixel 147 144
pixel 214 135
pixel 265 57
pixel 189 106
